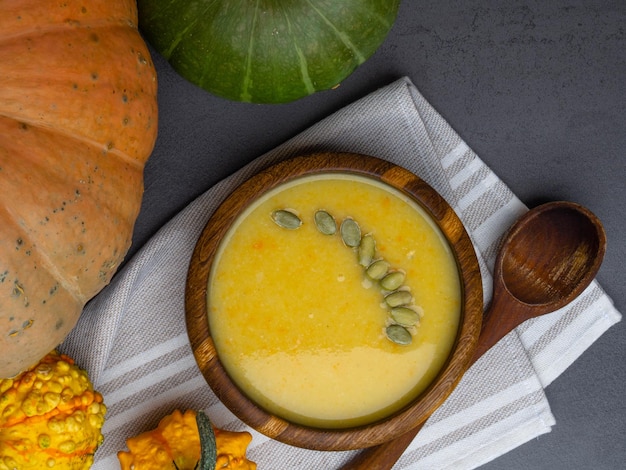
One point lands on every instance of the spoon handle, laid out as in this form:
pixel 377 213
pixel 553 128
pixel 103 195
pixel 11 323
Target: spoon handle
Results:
pixel 383 456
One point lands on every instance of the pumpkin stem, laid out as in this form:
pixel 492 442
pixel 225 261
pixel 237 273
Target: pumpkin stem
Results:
pixel 208 446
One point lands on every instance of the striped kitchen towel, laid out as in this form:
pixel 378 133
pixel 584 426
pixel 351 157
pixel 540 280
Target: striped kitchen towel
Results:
pixel 132 338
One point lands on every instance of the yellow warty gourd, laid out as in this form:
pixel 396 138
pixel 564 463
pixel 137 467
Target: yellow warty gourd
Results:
pixel 50 417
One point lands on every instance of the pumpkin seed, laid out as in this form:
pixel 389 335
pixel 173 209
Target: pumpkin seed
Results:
pixel 398 334
pixel 377 269
pixel 398 298
pixel 350 233
pixel 286 219
pixel 367 250
pixel 325 222
pixel 405 316
pixel 393 280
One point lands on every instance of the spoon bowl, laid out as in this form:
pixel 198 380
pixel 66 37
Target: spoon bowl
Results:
pixel 550 255
pixel 546 259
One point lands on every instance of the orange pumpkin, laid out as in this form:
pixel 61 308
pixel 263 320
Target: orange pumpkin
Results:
pixel 78 120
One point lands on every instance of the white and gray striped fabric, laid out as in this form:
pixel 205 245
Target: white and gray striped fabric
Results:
pixel 132 338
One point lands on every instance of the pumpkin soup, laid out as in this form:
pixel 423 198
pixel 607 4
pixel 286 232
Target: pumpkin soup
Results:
pixel 334 300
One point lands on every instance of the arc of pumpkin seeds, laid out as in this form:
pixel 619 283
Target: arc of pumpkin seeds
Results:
pixel 403 316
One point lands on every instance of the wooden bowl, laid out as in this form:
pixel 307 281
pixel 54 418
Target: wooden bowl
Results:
pixel 399 422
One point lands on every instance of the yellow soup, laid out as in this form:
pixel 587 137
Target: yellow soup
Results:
pixel 298 324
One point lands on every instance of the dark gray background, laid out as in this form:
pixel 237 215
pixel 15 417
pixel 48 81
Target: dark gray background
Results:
pixel 536 88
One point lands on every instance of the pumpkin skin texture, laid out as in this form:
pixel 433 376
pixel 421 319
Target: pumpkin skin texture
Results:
pixel 50 417
pixel 176 444
pixel 78 120
pixel 266 51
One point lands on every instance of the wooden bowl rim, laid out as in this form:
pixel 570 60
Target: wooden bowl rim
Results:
pixel 196 290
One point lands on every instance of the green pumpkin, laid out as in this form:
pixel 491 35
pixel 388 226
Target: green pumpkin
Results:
pixel 266 51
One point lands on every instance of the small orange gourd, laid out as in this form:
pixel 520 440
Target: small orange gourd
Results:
pixel 50 417
pixel 182 441
pixel 78 120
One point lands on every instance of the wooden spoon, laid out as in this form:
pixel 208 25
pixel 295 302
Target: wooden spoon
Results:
pixel 548 257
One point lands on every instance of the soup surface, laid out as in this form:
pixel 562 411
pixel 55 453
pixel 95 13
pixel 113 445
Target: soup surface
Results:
pixel 300 327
